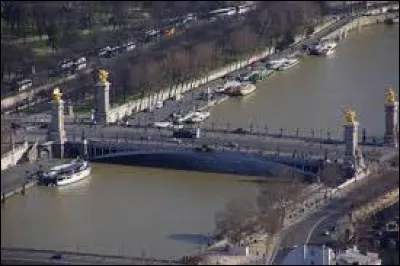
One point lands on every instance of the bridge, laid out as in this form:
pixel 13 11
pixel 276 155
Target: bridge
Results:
pixel 301 150
pixel 51 257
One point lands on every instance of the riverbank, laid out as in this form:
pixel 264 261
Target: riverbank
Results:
pixel 187 89
pixel 17 179
pixel 318 199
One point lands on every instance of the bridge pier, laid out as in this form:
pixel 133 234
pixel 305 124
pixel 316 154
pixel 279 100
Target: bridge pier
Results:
pixel 391 120
pixel 351 139
pixel 56 131
pixel 102 109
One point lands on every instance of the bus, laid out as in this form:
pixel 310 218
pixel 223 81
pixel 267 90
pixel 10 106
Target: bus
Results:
pixel 222 12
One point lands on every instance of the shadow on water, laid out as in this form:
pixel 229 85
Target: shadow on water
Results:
pixel 197 161
pixel 210 162
pixel 199 239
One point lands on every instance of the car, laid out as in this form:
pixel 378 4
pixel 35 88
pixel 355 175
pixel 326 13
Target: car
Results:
pixel 159 104
pixel 56 256
pixel 232 145
pixel 239 131
pixel 175 140
pixel 15 125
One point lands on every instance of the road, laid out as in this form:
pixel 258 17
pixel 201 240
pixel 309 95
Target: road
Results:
pixel 311 228
pixel 39 257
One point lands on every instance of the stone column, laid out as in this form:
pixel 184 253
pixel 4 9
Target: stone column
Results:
pixel 57 131
pixel 102 102
pixel 351 139
pixel 392 123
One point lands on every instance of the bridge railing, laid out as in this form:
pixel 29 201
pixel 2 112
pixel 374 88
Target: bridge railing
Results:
pixel 322 136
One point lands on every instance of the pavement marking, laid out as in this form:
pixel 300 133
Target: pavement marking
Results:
pixel 315 226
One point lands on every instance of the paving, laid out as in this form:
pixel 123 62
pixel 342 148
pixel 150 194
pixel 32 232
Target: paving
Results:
pixel 15 177
pixel 31 256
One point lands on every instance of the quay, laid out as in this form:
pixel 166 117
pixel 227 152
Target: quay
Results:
pixel 47 257
pixel 18 179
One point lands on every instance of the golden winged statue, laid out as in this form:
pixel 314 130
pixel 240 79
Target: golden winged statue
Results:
pixel 390 96
pixel 350 116
pixel 103 76
pixel 57 95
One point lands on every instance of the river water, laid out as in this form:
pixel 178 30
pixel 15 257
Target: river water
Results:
pixel 164 213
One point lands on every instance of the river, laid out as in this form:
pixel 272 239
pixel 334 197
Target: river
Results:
pixel 130 210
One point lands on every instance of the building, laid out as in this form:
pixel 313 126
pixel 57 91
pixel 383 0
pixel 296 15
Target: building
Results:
pixel 354 257
pixel 310 255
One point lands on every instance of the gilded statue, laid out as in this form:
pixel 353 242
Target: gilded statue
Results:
pixel 103 76
pixel 57 95
pixel 390 96
pixel 350 115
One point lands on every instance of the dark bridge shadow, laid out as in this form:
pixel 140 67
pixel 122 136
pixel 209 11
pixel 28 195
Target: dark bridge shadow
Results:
pixel 199 239
pixel 221 162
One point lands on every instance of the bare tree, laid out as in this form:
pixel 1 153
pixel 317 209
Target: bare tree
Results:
pixel 237 220
pixel 274 200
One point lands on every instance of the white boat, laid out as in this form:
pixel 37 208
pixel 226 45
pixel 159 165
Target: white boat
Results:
pixel 231 84
pixel 66 174
pixel 328 51
pixel 162 124
pixel 275 64
pixel 199 117
pixel 289 63
pixel 329 45
pixel 244 89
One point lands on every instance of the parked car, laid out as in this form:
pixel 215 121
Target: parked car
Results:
pixel 239 131
pixel 56 256
pixel 129 46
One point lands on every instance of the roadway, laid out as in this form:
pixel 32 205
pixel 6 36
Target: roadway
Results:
pixel 39 257
pixel 310 229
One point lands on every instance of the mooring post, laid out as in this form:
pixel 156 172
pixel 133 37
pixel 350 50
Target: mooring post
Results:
pixel 3 199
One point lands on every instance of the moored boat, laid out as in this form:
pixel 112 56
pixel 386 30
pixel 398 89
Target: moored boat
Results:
pixel 244 89
pixel 66 174
pixel 328 51
pixel 289 63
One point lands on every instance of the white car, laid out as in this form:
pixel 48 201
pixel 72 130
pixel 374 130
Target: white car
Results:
pixel 159 104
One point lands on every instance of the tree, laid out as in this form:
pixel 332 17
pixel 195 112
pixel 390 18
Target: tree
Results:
pixel 236 221
pixel 273 201
pixel 54 33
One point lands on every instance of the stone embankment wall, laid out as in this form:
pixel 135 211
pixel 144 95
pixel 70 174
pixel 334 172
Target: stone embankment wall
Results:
pixel 355 24
pixel 12 157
